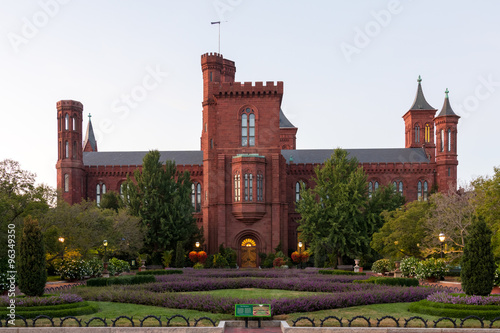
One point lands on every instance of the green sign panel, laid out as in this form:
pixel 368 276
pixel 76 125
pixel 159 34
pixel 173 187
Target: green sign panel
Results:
pixel 252 310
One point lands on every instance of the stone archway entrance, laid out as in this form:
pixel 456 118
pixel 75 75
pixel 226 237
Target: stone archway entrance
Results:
pixel 248 253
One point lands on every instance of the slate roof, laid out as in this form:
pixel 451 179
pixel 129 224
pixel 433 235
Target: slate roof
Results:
pixel 89 137
pixel 284 122
pixel 376 155
pixel 135 157
pixel 446 109
pixel 420 103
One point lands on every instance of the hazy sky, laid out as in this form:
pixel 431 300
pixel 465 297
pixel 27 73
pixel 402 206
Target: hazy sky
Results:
pixel 349 68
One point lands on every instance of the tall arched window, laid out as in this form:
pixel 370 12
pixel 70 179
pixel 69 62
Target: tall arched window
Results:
pixel 98 194
pixel 260 187
pixel 395 187
pixel 297 191
pixel 103 188
pixel 74 123
pixel 198 197
pixel 248 128
pixel 237 188
pixel 426 190
pixel 422 190
pixel 66 122
pixel 66 149
pixel 449 139
pixel 419 190
pixel 248 190
pixel 66 182
pixel 417 133
pixel 401 188
pixel 370 189
pixel 441 145
pixel 427 133
pixel 375 186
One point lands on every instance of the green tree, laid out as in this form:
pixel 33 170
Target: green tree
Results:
pixel 478 265
pixel 32 265
pixel 180 255
pixel 333 218
pixel 162 200
pixel 403 232
pixel 111 200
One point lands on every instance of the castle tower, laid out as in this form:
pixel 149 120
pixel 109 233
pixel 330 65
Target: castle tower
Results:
pixel 90 144
pixel 446 153
pixel 419 124
pixel 70 158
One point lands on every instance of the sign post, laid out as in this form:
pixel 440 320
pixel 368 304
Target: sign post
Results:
pixel 252 311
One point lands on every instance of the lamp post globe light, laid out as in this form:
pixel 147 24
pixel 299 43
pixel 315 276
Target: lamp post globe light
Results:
pixel 442 238
pixel 300 253
pixel 61 240
pixel 197 244
pixel 105 273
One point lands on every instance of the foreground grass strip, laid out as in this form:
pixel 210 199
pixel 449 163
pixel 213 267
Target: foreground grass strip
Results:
pixel 61 310
pixel 455 310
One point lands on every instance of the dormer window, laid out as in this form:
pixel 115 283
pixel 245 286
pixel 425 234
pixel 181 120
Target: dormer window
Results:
pixel 248 128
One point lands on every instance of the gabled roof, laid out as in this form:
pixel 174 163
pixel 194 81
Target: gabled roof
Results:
pixel 89 137
pixel 135 157
pixel 284 122
pixel 420 103
pixel 377 155
pixel 446 109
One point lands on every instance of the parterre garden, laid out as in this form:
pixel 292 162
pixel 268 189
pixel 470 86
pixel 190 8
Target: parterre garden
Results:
pixel 292 293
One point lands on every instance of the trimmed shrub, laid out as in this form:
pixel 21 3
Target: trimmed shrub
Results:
pixel 160 272
pixel 338 272
pixel 32 264
pixel 431 268
pixel 131 279
pixel 382 266
pixel 408 266
pixel 54 311
pixel 455 310
pixel 478 265
pixel 403 282
pixel 117 266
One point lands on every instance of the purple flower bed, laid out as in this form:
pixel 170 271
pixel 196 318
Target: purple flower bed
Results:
pixel 443 297
pixel 40 301
pixel 378 294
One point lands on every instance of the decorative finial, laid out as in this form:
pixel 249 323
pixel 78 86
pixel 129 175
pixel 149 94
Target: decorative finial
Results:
pixel 419 79
pixel 291 158
pixel 446 92
pixel 90 116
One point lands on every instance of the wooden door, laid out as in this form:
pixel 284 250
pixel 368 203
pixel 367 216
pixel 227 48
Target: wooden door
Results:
pixel 248 257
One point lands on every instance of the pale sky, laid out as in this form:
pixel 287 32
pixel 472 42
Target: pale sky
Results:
pixel 349 68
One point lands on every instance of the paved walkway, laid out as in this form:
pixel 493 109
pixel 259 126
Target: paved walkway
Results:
pixel 276 329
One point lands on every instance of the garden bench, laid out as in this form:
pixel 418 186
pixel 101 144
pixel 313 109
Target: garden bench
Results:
pixel 252 311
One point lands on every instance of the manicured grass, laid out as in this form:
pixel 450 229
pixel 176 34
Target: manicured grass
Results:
pixel 54 278
pixel 254 293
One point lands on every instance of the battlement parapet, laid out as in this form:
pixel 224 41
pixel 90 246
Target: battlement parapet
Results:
pixel 69 104
pixel 229 89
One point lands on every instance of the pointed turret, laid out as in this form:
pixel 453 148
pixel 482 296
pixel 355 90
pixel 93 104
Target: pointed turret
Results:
pixel 420 103
pixel 446 153
pixel 90 144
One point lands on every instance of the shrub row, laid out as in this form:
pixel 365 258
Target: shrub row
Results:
pixel 338 272
pixel 60 310
pixel 132 279
pixel 160 272
pixel 455 310
pixel 389 281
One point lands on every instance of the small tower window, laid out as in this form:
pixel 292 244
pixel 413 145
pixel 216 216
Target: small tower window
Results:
pixel 442 141
pixel 74 149
pixel 237 188
pixel 260 187
pixel 66 182
pixel 449 139
pixel 74 123
pixel 66 149
pixel 248 128
pixel 417 133
pixel 427 133
pixel 66 122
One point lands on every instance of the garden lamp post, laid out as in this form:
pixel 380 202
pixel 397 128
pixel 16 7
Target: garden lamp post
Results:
pixel 300 253
pixel 105 273
pixel 61 240
pixel 197 244
pixel 442 238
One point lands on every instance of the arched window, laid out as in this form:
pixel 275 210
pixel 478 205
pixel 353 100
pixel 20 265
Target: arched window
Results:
pixel 198 197
pixel 66 182
pixel 442 141
pixel 248 128
pixel 375 186
pixel 417 133
pixel 122 190
pixel 98 194
pixel 427 133
pixel 260 187
pixel 237 188
pixel 395 186
pixel 103 188
pixel 74 149
pixel 248 191
pixel 449 139
pixel 66 149
pixel 370 189
pixel 401 188
pixel 297 191
pixel 66 122
pixel 426 190
pixel 422 190
pixel 74 123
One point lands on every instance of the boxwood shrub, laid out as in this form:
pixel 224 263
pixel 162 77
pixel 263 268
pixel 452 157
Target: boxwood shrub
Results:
pixel 488 312
pixel 338 272
pixel 130 279
pixel 60 310
pixel 161 272
pixel 389 281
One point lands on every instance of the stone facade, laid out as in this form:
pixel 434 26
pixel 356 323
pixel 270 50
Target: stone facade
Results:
pixel 246 175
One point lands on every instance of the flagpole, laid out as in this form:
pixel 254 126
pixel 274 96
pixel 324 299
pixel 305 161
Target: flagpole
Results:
pixel 217 22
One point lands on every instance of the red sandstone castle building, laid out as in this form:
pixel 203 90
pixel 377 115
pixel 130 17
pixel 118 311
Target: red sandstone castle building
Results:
pixel 246 177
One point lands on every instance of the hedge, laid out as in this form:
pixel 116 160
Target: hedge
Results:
pixel 54 311
pixel 339 272
pixel 130 279
pixel 389 281
pixel 488 312
pixel 161 272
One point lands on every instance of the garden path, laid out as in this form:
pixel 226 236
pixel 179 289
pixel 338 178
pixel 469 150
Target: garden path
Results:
pixel 275 329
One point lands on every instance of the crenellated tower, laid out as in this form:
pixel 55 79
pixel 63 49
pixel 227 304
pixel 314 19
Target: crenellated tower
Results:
pixel 70 157
pixel 446 152
pixel 419 124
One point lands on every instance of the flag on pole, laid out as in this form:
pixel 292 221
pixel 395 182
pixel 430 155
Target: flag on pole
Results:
pixel 217 22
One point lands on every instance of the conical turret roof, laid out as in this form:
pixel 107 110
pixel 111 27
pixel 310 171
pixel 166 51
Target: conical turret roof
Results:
pixel 446 110
pixel 420 103
pixel 89 137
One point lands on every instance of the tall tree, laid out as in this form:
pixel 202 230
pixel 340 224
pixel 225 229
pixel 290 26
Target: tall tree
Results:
pixel 333 218
pixel 161 198
pixel 478 265
pixel 32 265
